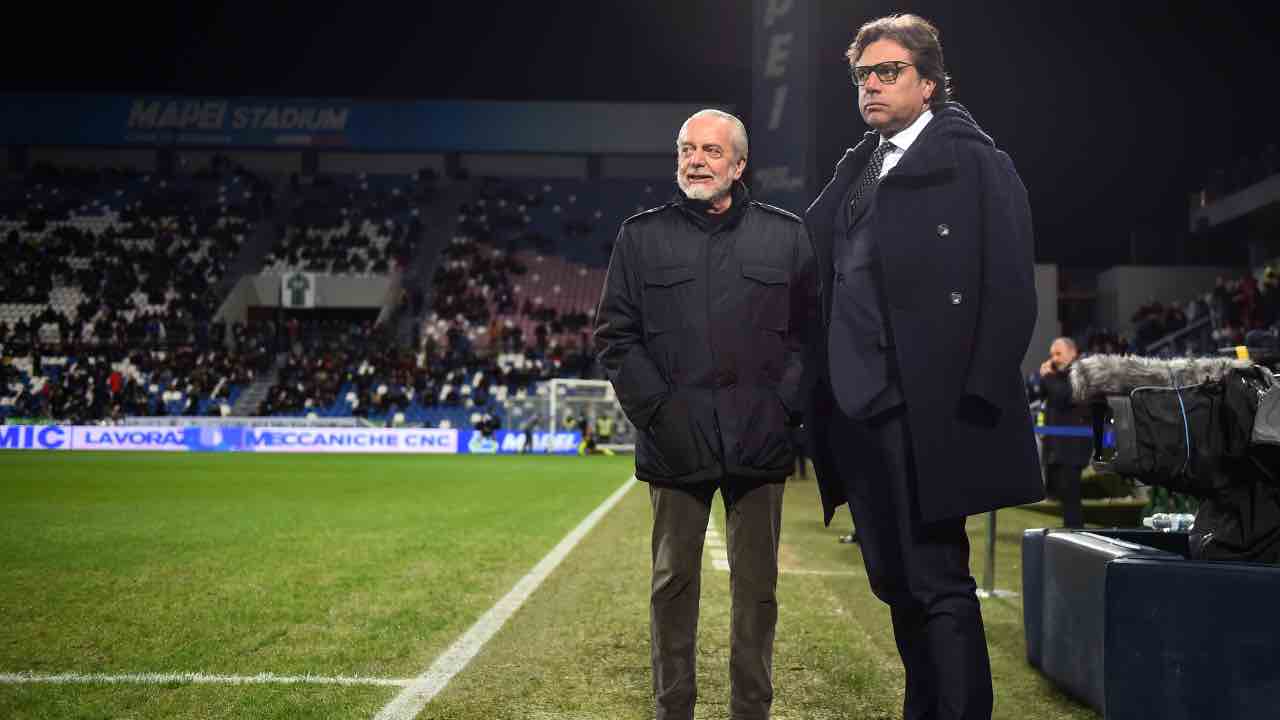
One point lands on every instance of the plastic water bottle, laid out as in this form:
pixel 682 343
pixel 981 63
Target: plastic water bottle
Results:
pixel 1170 522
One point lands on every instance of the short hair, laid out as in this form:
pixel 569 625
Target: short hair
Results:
pixel 738 133
pixel 1071 344
pixel 919 37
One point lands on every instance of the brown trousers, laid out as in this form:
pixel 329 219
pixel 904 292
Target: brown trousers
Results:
pixel 753 512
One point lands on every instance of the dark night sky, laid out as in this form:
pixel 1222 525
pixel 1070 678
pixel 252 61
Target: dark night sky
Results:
pixel 1112 111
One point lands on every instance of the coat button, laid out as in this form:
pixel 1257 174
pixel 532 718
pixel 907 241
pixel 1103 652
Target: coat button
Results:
pixel 956 298
pixel 944 230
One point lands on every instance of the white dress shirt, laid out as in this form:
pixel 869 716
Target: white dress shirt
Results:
pixel 902 141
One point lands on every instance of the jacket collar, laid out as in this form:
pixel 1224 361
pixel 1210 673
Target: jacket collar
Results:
pixel 696 210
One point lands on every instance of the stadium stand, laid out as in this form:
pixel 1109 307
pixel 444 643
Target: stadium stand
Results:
pixel 110 288
pixel 1243 310
pixel 527 263
pixel 573 218
pixel 337 369
pixel 115 276
pixel 352 224
pixel 511 300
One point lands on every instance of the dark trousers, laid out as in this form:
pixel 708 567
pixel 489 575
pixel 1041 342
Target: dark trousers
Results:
pixel 753 514
pixel 1063 484
pixel 920 570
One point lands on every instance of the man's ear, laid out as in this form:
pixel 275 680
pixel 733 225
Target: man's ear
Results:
pixel 929 90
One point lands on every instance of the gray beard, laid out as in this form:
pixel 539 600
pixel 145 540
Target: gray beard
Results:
pixel 703 193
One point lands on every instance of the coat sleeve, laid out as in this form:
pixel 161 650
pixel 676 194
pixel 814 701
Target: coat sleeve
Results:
pixel 799 371
pixel 1007 309
pixel 619 338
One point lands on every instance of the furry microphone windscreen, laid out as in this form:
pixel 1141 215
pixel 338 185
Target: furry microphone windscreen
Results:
pixel 1095 376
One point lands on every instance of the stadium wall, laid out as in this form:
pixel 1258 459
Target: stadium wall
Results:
pixel 263 161
pixel 140 160
pixel 1125 288
pixel 640 167
pixel 380 162
pixel 334 291
pixel 538 166
pixel 270 162
pixel 1048 325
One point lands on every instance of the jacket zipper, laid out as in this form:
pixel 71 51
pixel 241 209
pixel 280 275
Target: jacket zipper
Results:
pixel 715 362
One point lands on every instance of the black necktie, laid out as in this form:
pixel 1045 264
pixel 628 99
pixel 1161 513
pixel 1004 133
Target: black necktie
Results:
pixel 871 174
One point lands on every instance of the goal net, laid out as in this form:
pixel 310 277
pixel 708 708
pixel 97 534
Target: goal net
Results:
pixel 569 401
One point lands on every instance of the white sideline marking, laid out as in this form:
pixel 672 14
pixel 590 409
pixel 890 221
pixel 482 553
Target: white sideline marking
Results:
pixel 719 556
pixel 836 573
pixel 426 686
pixel 191 678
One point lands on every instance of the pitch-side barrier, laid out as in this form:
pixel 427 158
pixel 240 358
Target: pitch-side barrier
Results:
pixel 265 439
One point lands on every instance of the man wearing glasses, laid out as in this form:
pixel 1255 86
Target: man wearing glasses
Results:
pixel 923 242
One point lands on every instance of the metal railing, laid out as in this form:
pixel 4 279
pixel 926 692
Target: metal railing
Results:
pixel 1173 337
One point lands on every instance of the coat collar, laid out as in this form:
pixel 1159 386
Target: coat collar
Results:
pixel 932 152
pixel 905 137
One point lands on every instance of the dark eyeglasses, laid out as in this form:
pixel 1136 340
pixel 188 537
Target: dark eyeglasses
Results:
pixel 887 72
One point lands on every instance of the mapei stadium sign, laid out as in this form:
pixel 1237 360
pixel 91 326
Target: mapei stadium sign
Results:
pixel 217 115
pixel 279 440
pixel 156 121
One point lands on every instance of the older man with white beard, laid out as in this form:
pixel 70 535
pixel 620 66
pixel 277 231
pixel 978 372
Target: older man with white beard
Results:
pixel 702 328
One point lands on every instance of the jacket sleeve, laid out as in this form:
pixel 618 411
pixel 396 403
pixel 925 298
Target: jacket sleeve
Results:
pixel 1007 309
pixel 619 338
pixel 798 373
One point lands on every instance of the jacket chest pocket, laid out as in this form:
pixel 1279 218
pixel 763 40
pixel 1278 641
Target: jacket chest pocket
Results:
pixel 768 296
pixel 668 298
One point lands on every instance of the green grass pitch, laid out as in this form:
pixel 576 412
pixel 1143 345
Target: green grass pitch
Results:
pixel 368 567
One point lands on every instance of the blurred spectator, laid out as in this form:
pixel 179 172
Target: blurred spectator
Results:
pixel 1064 457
